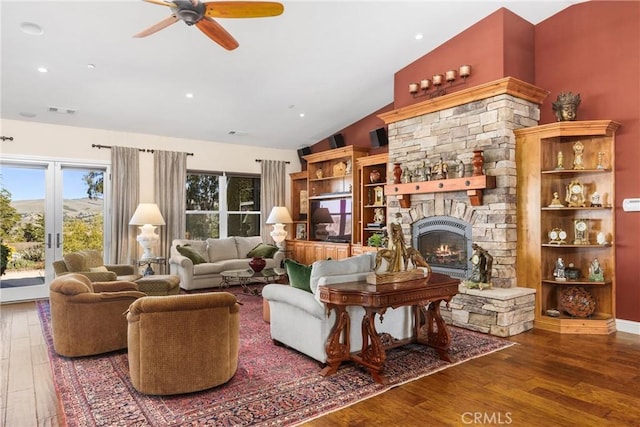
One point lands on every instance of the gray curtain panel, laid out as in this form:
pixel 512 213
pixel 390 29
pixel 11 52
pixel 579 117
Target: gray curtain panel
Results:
pixel 170 177
pixel 125 194
pixel 272 192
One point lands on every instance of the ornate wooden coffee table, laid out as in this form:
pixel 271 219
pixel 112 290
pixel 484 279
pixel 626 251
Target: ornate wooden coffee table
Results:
pixel 425 298
pixel 245 276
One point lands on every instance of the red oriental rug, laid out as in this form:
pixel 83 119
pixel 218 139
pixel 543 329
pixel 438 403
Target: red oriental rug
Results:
pixel 273 385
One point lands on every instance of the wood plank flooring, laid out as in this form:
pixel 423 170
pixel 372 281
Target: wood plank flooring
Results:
pixel 546 380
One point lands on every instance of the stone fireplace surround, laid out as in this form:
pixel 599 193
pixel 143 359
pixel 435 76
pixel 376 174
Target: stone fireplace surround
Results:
pixel 452 127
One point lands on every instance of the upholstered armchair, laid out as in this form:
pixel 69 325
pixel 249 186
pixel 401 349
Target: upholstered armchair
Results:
pixel 87 318
pixel 91 264
pixel 183 343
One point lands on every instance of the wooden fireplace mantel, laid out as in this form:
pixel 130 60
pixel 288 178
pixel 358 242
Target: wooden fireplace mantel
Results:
pixel 507 85
pixel 472 184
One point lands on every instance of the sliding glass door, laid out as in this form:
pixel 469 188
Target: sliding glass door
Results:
pixel 47 208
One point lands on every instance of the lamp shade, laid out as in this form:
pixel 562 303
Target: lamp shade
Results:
pixel 147 213
pixel 322 216
pixel 279 215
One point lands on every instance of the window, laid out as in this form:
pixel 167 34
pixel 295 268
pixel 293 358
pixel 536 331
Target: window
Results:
pixel 222 205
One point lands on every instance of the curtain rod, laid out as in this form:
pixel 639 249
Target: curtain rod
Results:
pixel 144 150
pixel 260 161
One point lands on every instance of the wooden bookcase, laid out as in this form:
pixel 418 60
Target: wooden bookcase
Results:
pixel 371 195
pixel 542 171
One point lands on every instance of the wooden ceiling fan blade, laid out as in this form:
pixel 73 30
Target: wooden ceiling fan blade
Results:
pixel 215 32
pixel 243 9
pixel 171 19
pixel 162 3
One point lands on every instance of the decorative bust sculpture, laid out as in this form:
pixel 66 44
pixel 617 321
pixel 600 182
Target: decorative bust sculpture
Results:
pixel 566 106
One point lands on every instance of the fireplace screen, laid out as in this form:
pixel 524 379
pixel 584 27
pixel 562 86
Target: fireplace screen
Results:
pixel 445 243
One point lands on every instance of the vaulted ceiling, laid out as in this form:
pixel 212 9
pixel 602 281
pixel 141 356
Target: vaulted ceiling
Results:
pixel 331 61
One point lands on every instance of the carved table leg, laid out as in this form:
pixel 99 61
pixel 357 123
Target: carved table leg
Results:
pixel 432 330
pixel 372 355
pixel 337 347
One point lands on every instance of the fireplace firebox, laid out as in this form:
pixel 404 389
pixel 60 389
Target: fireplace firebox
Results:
pixel 445 243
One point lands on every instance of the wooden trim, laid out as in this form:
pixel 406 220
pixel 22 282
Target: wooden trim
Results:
pixel 472 184
pixel 507 85
pixel 575 128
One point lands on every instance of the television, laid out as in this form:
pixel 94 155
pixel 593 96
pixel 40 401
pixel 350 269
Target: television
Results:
pixel 340 213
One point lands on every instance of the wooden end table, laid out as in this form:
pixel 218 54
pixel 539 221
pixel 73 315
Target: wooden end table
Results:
pixel 423 295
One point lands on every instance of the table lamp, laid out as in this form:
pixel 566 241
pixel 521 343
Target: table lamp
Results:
pixel 279 216
pixel 322 218
pixel 147 216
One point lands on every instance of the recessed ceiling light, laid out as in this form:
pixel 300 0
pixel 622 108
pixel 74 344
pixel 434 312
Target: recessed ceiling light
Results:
pixel 31 29
pixel 189 95
pixel 27 114
pixel 418 36
pixel 301 114
pixel 91 66
pixel 43 69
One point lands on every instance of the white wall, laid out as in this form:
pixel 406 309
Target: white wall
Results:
pixel 66 142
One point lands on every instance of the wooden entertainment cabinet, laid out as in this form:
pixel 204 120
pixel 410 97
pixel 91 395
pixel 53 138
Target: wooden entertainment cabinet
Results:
pixel 331 181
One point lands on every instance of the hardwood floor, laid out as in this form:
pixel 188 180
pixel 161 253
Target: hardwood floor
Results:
pixel 546 380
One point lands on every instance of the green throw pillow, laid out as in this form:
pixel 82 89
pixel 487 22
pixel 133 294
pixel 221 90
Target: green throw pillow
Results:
pixel 299 274
pixel 194 256
pixel 265 251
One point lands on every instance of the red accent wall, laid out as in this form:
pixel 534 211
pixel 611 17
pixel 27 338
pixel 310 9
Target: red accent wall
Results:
pixel 594 49
pixel 590 48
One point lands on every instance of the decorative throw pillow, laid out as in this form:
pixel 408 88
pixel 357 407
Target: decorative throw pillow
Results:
pixel 187 251
pixel 299 274
pixel 265 251
pixel 101 269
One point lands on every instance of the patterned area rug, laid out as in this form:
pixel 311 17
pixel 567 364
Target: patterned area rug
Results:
pixel 273 385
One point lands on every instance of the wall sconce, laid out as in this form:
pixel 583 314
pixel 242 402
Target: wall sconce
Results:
pixel 436 83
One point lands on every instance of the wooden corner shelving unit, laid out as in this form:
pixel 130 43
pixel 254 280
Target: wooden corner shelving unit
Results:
pixel 539 177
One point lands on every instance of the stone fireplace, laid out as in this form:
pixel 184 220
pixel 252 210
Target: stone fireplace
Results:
pixel 451 128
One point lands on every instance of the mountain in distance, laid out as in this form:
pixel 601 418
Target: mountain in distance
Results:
pixel 71 208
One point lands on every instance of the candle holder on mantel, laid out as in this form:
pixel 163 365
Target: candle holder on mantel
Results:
pixel 436 83
pixel 478 163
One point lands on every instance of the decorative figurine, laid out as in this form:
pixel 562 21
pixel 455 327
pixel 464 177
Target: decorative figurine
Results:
pixel 427 173
pixel 406 175
pixel 460 169
pixel 440 169
pixel 378 216
pixel 578 149
pixel 566 107
pixel 559 272
pixel 482 263
pixel 348 168
pixel 600 166
pixel 319 173
pixel 601 239
pixel 555 202
pixel 596 273
pixel 560 164
pixel 595 200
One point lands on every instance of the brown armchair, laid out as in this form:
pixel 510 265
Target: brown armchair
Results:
pixel 183 343
pixel 91 264
pixel 88 318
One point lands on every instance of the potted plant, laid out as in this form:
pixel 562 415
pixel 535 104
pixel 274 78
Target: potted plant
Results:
pixel 377 240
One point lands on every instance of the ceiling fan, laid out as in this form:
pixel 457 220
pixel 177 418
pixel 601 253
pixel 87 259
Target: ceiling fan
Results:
pixel 201 14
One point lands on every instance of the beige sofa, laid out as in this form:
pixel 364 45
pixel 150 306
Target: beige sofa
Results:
pixel 219 255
